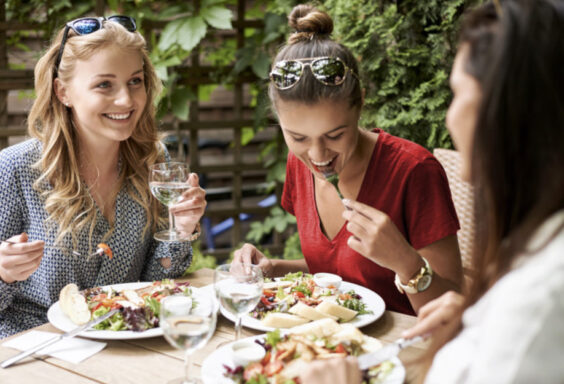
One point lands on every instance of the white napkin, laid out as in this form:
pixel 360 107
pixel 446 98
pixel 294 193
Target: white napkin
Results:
pixel 73 350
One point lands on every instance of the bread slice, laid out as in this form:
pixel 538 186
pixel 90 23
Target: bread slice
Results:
pixel 282 320
pixel 304 310
pixel 334 309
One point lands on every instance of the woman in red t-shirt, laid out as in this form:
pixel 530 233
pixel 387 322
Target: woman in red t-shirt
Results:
pixel 398 235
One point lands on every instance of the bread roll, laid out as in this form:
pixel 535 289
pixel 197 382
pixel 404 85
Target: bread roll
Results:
pixel 73 304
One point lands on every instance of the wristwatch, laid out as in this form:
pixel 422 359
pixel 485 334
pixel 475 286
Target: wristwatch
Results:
pixel 419 283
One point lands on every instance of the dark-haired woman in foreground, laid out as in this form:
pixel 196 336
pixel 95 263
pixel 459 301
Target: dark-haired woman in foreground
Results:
pixel 402 224
pixel 507 120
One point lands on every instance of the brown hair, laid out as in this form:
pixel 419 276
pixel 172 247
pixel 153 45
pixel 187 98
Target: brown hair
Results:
pixel 518 150
pixel 68 203
pixel 312 39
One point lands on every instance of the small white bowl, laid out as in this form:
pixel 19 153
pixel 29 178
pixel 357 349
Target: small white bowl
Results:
pixel 246 352
pixel 327 279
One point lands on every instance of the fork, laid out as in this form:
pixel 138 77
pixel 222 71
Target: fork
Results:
pixel 102 250
pixel 333 178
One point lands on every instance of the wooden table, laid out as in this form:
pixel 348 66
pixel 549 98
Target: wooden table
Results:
pixel 154 361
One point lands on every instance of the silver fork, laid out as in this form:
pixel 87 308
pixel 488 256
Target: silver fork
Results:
pixel 99 251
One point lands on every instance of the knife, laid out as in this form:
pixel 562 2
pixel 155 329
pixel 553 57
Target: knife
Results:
pixel 386 353
pixel 68 335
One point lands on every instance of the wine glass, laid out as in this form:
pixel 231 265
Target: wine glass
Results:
pixel 167 182
pixel 238 288
pixel 188 322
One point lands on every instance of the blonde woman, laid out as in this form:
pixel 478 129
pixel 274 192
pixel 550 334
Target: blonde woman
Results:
pixel 82 178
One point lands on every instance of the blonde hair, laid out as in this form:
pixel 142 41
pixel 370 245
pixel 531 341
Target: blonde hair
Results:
pixel 67 200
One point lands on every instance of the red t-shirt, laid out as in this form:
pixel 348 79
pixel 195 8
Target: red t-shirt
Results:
pixel 404 181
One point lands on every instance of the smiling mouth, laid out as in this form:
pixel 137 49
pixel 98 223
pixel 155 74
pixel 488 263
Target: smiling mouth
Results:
pixel 324 166
pixel 118 116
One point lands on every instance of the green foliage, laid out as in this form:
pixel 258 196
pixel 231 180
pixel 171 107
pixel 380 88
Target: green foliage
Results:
pixel 200 260
pixel 278 221
pixel 406 52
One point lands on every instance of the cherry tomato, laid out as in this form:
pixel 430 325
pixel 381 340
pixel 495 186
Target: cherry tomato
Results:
pixel 106 249
pixel 265 301
pixel 340 349
pixel 299 294
pixel 268 293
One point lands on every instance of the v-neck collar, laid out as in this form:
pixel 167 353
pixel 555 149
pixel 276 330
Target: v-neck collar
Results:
pixel 361 192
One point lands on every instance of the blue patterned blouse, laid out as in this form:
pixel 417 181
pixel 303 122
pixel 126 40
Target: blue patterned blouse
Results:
pixel 24 304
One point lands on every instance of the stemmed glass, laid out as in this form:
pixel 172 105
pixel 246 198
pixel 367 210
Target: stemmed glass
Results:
pixel 238 288
pixel 167 182
pixel 188 322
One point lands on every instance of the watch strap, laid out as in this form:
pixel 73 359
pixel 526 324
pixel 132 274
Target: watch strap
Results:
pixel 412 285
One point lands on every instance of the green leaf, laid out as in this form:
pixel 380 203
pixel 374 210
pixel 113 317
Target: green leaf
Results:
pixel 261 65
pixel 169 35
pixel 217 17
pixel 247 134
pixel 180 98
pixel 191 32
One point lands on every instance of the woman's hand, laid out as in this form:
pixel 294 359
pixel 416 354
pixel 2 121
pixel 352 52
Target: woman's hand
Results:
pixel 376 237
pixel 249 254
pixel 336 370
pixel 19 261
pixel 435 314
pixel 188 212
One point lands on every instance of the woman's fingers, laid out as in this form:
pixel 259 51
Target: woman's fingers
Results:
pixel 19 261
pixel 245 254
pixel 436 313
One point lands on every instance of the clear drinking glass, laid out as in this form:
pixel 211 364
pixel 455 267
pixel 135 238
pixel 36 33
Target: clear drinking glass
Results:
pixel 238 288
pixel 188 322
pixel 167 182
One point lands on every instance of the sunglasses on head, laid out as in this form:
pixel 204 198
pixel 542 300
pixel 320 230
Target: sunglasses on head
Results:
pixel 88 25
pixel 330 71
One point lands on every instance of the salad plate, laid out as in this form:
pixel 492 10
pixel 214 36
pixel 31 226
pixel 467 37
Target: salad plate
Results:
pixel 60 321
pixel 213 368
pixel 375 307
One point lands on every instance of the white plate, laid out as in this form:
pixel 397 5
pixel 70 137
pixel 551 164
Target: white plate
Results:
pixel 372 300
pixel 212 369
pixel 59 320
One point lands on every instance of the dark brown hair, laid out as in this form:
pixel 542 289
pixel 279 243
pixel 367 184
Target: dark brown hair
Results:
pixel 312 39
pixel 518 147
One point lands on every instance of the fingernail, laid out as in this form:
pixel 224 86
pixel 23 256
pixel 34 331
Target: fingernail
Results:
pixel 346 202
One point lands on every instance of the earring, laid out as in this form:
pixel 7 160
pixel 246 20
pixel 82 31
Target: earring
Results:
pixel 66 104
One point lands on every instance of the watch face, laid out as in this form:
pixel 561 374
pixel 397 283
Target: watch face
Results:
pixel 424 282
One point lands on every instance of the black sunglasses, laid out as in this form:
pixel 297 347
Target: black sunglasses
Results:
pixel 88 25
pixel 330 71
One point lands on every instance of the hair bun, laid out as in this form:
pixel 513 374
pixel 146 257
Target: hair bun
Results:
pixel 309 21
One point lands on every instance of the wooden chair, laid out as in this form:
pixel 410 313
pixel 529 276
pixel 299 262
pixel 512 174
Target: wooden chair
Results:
pixel 463 197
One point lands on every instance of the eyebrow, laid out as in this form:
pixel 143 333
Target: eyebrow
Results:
pixel 333 130
pixel 111 75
